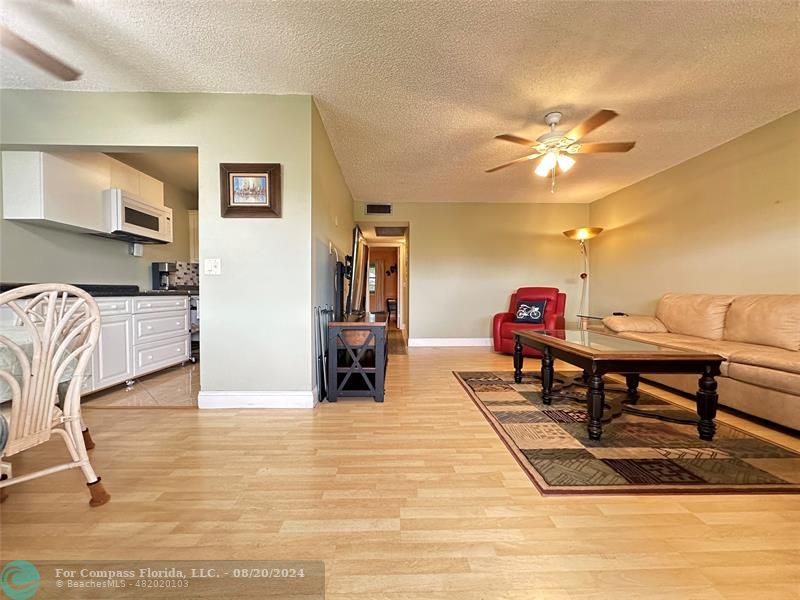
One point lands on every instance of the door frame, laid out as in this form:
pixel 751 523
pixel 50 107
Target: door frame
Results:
pixel 401 278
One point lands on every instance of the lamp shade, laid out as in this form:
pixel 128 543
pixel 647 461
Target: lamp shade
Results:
pixel 583 233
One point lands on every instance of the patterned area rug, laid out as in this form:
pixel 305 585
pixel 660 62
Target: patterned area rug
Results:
pixel 635 454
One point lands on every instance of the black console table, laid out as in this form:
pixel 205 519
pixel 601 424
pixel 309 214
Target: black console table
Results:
pixel 357 356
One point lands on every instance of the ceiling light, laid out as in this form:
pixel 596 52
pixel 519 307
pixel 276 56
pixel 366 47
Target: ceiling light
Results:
pixel 565 162
pixel 547 164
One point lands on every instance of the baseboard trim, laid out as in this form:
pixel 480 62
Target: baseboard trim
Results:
pixel 453 342
pixel 234 399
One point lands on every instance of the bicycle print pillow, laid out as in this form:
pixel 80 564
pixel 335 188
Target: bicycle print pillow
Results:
pixel 530 311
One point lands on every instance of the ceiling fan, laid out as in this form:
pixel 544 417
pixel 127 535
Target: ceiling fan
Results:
pixel 556 146
pixel 35 55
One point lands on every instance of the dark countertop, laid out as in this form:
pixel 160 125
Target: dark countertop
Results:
pixel 100 290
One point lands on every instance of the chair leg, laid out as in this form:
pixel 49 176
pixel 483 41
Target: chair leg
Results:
pixel 87 439
pixel 99 494
pixel 5 473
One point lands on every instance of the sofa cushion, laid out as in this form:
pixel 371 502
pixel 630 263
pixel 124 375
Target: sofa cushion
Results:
pixel 771 358
pixel 771 320
pixel 701 315
pixel 688 342
pixel 781 381
pixel 640 323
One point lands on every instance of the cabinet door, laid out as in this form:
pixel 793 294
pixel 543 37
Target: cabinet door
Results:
pixel 151 190
pixel 194 236
pixel 73 185
pixel 113 357
pixel 124 177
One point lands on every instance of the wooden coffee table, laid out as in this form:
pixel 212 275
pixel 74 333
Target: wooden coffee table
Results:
pixel 601 353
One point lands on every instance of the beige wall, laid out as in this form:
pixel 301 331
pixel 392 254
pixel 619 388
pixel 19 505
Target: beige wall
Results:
pixel 331 220
pixel 727 221
pixel 466 259
pixel 34 253
pixel 256 333
pixel 332 212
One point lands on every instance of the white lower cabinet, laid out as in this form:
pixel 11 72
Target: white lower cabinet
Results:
pixel 113 357
pixel 139 335
pixel 159 355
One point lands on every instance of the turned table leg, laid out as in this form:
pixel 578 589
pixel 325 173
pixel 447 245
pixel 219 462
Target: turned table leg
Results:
pixel 632 382
pixel 547 376
pixel 517 360
pixel 595 400
pixel 707 405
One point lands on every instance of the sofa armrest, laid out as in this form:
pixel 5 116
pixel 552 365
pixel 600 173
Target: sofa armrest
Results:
pixel 499 319
pixel 637 323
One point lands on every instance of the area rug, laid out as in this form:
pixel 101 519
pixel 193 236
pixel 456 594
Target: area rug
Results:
pixel 636 455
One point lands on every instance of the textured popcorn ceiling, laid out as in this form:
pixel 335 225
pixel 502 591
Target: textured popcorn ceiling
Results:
pixel 412 93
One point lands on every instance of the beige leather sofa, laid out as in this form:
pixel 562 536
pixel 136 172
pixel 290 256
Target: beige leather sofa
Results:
pixel 758 336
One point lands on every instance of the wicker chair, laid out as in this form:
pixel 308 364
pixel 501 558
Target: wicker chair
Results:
pixel 60 325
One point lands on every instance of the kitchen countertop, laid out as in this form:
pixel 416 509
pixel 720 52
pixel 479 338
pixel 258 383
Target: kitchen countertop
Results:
pixel 101 290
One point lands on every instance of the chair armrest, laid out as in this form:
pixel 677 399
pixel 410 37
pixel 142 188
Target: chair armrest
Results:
pixel 553 321
pixel 499 319
pixel 637 323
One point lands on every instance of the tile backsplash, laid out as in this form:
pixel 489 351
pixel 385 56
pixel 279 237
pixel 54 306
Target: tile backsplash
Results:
pixel 186 274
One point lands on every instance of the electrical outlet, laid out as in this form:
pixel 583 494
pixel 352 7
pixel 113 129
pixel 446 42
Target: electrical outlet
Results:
pixel 212 266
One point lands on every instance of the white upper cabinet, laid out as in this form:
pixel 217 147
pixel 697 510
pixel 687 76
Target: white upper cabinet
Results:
pixel 142 186
pixel 66 189
pixel 124 177
pixel 151 190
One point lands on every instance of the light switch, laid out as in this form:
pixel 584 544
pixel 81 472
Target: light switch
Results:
pixel 212 266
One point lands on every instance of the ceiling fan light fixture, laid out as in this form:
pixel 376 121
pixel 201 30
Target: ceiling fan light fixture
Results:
pixel 547 164
pixel 565 163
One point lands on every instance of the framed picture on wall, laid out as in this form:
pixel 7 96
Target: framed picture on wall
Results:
pixel 250 189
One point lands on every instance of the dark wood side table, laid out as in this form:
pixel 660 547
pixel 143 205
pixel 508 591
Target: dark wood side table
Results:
pixel 357 357
pixel 600 353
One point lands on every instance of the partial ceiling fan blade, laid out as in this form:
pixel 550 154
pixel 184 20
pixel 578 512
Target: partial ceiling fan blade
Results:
pixel 594 147
pixel 23 48
pixel 596 120
pixel 514 162
pixel 515 139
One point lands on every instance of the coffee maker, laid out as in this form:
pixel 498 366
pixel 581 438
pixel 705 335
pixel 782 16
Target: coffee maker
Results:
pixel 161 273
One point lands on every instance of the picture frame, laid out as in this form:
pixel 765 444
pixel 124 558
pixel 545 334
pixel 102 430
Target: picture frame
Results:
pixel 250 190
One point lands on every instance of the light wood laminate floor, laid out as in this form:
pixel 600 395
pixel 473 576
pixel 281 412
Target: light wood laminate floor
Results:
pixel 416 498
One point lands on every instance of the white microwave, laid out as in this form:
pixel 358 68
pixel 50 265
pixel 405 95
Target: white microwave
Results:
pixel 129 218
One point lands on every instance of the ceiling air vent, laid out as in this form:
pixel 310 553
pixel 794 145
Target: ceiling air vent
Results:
pixel 390 231
pixel 377 209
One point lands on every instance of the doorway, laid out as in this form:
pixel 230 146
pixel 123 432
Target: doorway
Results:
pixel 387 279
pixel 382 281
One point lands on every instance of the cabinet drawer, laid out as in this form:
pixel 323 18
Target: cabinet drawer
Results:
pixel 159 355
pixel 161 326
pixel 150 304
pixel 114 306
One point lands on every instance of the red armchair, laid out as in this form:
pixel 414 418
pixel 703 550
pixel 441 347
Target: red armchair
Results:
pixel 504 322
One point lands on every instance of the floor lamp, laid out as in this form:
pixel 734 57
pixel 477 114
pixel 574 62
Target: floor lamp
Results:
pixel 581 235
